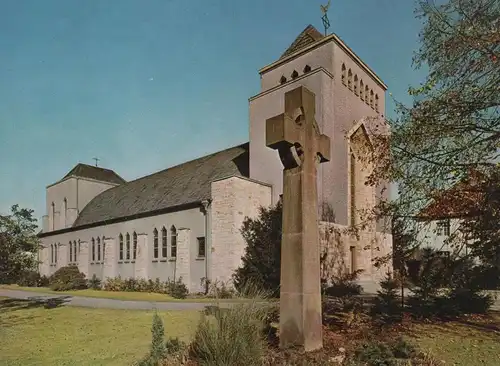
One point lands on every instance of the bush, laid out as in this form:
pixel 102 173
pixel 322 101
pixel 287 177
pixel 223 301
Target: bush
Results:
pixel 377 353
pixel 387 307
pixel 32 279
pixel 342 284
pixel 177 289
pixel 232 336
pixel 218 289
pixel 67 278
pixel 262 259
pixel 94 283
pixel 114 284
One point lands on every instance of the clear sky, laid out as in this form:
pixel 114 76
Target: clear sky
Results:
pixel 147 84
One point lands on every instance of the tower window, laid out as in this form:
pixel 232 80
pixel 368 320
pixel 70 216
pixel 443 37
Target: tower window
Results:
pixel 344 74
pixel 201 247
pixel 164 249
pixel 356 84
pixel 307 69
pixel 367 95
pixel 349 80
pixel 134 249
pixel 283 80
pixel 295 74
pixel 361 90
pixel 371 99
pixel 376 102
pixel 121 246
pixel 127 245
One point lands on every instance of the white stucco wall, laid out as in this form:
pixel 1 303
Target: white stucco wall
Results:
pixel 162 268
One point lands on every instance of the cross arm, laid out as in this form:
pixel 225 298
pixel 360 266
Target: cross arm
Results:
pixel 323 148
pixel 281 130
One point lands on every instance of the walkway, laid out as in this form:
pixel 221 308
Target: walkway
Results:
pixel 91 302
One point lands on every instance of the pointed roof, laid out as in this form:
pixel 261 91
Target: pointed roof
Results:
pixel 308 36
pixel 94 172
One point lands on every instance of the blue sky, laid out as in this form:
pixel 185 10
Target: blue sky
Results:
pixel 146 84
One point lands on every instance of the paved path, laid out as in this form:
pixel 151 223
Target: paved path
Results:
pixel 91 302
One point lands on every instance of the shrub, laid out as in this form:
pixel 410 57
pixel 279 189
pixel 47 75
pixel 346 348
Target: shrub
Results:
pixel 377 353
pixel 232 336
pixel 32 279
pixel 176 289
pixel 158 337
pixel 387 306
pixel 218 289
pixel 342 284
pixel 262 259
pixel 94 283
pixel 114 284
pixel 67 278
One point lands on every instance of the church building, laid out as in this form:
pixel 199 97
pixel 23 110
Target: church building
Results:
pixel 184 221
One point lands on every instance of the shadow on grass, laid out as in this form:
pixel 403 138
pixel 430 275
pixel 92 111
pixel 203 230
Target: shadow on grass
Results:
pixel 33 302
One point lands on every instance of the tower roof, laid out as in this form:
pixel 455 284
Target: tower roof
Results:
pixel 94 172
pixel 307 37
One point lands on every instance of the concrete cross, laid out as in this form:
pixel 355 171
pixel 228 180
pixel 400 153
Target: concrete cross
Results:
pixel 295 134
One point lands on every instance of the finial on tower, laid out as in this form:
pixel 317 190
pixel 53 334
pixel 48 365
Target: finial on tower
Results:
pixel 96 160
pixel 324 18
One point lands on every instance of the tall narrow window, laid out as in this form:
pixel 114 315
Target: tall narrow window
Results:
pixel 164 248
pixel 173 242
pixel 70 251
pixel 344 74
pixel 367 95
pixel 65 205
pixel 103 248
pixel 55 252
pixel 134 249
pixel 352 185
pixel 354 263
pixel 51 253
pixel 93 249
pixel 376 102
pixel 201 247
pixel 371 98
pixel 356 85
pixel 155 244
pixel 53 213
pixel 361 90
pixel 98 249
pixel 75 251
pixel 128 246
pixel 349 80
pixel 121 246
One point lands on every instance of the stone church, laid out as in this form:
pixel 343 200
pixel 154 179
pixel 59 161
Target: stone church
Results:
pixel 184 221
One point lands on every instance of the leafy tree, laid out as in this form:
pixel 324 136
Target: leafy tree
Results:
pixel 262 259
pixel 18 244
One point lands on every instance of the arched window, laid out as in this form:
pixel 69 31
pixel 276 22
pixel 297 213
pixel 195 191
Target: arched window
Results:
pixel 356 84
pixel 155 244
pixel 361 90
pixel 367 95
pixel 343 74
pixel 295 74
pixel 121 246
pixel 349 79
pixel 173 242
pixel 103 248
pixel 283 79
pixel 307 69
pixel 75 250
pixel 371 98
pixel 53 213
pixel 134 249
pixel 98 249
pixel 164 249
pixel 70 251
pixel 128 246
pixel 93 249
pixel 376 102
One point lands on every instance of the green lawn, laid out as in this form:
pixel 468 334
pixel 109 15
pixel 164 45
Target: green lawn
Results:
pixel 33 335
pixel 137 296
pixel 462 343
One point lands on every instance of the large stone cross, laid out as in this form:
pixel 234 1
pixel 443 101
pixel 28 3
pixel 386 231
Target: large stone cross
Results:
pixel 295 134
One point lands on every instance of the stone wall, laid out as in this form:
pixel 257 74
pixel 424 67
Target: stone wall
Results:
pixel 338 247
pixel 233 199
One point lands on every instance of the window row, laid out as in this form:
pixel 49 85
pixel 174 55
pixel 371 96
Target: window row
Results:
pixel 443 228
pixel 128 257
pixel 97 250
pixel 164 243
pixel 53 253
pixel 359 88
pixel 295 74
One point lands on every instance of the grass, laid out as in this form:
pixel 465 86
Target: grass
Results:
pixel 130 296
pixel 462 343
pixel 33 335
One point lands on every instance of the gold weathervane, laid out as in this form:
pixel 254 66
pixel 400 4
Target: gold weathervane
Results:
pixel 324 18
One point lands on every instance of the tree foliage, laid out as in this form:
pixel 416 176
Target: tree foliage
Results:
pixel 262 260
pixel 18 244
